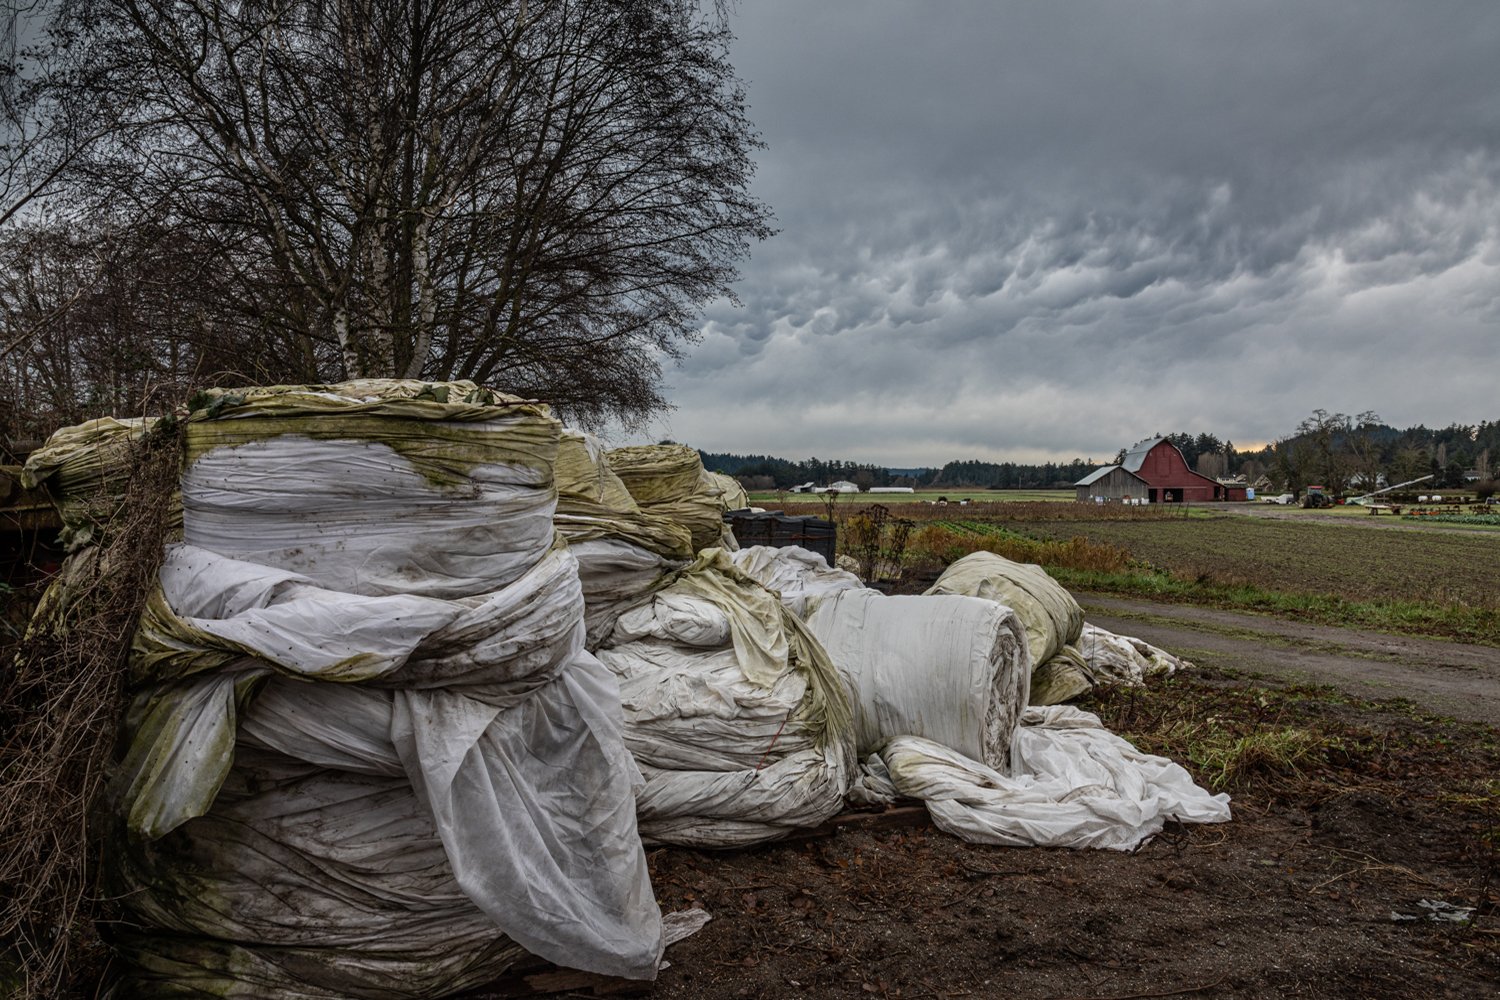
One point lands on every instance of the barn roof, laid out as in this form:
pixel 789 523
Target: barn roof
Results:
pixel 1096 475
pixel 1136 456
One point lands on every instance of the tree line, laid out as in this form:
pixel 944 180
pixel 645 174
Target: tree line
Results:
pixel 539 195
pixel 1332 449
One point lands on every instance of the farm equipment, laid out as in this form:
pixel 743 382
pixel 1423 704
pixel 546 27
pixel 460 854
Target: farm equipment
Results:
pixel 1316 499
pixel 1368 502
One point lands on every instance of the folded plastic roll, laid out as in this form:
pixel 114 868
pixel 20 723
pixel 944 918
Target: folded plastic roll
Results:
pixel 950 669
pixel 369 755
pixel 733 711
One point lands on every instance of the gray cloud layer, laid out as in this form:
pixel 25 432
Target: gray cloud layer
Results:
pixel 1045 230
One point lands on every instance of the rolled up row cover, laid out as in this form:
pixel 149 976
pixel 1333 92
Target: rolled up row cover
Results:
pixel 369 756
pixel 950 669
pixel 733 711
pixel 1069 656
pixel 623 551
pixel 669 480
pixel 1050 614
pixel 84 469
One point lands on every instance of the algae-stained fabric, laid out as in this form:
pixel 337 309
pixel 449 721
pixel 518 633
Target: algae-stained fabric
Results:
pixel 370 757
pixel 669 480
pixel 1051 616
pixel 84 468
pixel 624 551
pixel 735 714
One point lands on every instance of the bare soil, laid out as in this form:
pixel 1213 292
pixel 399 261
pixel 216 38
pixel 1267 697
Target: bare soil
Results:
pixel 1303 894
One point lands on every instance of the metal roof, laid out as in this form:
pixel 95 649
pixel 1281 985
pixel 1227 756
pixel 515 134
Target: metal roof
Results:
pixel 1096 475
pixel 1136 456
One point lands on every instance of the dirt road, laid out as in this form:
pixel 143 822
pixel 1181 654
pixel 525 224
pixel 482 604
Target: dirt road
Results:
pixel 1462 681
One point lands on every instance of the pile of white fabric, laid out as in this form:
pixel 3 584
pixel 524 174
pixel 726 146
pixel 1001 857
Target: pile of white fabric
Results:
pixel 940 685
pixel 1070 657
pixel 369 756
pixel 732 710
pixel 624 552
pixel 669 480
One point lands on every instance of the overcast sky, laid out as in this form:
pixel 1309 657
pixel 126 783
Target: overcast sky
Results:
pixel 1048 229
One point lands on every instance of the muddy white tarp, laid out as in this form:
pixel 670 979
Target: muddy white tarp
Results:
pixel 732 710
pixel 800 577
pixel 623 551
pixel 1073 784
pixel 369 756
pixel 669 480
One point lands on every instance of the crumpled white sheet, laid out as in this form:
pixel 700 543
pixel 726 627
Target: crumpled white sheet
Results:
pixel 739 723
pixel 1073 784
pixel 374 761
pixel 801 577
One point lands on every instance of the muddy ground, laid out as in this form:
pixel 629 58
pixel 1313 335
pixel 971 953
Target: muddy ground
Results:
pixel 1306 893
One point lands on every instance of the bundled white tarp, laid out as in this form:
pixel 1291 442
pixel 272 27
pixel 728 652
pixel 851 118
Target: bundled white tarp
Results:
pixel 1073 784
pixel 732 710
pixel 947 668
pixel 369 756
pixel 84 468
pixel 669 480
pixel 1051 617
pixel 799 576
pixel 1101 657
pixel 623 552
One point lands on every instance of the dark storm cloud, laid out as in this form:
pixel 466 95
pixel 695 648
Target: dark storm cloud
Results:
pixel 1020 228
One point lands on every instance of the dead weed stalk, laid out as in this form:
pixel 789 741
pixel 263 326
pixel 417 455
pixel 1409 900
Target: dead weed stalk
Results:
pixel 61 702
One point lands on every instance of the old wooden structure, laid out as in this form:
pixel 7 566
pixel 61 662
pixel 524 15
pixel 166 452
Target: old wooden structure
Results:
pixel 1154 470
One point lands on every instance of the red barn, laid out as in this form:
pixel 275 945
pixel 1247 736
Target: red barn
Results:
pixel 1160 464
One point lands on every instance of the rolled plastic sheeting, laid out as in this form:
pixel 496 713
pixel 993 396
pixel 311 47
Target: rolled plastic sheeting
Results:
pixel 85 468
pixel 733 711
pixel 369 756
pixel 952 669
pixel 669 480
pixel 1051 616
pixel 624 552
pixel 801 578
pixel 1073 784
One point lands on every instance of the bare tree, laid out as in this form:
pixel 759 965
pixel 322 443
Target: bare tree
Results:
pixel 540 195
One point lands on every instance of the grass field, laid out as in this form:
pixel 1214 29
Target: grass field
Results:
pixel 1437 567
pixel 1400 579
pixel 763 498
